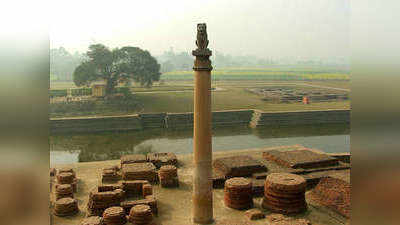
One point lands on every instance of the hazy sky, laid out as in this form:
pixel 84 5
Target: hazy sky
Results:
pixel 266 28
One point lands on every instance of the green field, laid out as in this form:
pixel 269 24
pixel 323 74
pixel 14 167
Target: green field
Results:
pixel 232 94
pixel 287 74
pixel 232 97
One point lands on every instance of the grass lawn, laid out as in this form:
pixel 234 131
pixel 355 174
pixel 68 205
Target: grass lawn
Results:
pixel 234 98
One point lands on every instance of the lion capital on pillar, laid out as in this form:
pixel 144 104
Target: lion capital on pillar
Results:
pixel 202 53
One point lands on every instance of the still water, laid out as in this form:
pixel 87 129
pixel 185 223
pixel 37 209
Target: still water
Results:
pixel 71 148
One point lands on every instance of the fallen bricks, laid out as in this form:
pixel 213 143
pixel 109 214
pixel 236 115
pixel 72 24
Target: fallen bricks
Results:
pixel 162 158
pixel 335 194
pixel 92 220
pixel 254 214
pixel 258 188
pixel 53 172
pixel 279 219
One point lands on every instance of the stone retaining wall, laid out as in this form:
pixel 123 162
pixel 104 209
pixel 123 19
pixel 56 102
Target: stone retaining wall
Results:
pixel 95 124
pixel 254 118
pixel 299 118
pixel 153 120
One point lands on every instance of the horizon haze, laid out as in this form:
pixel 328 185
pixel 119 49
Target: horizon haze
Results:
pixel 301 29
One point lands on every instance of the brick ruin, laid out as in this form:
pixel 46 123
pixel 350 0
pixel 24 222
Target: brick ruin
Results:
pixel 294 94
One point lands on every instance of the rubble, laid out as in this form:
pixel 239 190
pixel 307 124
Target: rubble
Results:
pixel 279 219
pixel 254 214
pixel 258 188
pixel 92 220
pixel 335 194
pixel 53 172
pixel 162 158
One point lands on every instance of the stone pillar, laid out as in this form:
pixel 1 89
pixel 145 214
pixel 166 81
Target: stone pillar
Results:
pixel 202 209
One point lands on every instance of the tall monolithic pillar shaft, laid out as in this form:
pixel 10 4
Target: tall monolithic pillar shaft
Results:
pixel 202 208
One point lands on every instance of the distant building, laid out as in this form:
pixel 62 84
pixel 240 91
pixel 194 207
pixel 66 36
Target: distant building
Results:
pixel 98 89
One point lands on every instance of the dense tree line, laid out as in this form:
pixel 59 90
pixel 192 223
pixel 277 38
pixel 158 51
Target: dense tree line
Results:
pixel 171 61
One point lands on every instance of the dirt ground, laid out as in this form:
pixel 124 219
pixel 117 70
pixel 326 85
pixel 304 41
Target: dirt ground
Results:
pixel 174 205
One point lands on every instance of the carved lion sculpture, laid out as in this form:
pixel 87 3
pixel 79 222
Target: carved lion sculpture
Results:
pixel 202 39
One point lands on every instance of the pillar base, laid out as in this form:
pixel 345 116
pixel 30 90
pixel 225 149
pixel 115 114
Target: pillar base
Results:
pixel 203 222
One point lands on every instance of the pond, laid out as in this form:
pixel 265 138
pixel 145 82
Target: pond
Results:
pixel 80 147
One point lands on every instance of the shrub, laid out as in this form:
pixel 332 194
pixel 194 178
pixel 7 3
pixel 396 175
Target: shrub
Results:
pixel 81 91
pixel 58 93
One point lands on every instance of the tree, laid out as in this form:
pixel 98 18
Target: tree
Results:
pixel 63 63
pixel 113 66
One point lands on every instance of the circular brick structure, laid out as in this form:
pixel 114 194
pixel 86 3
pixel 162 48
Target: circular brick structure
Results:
pixel 140 215
pixel 114 216
pixel 285 182
pixel 66 207
pixel 67 170
pixel 147 189
pixel 238 193
pixel 93 220
pixel 65 178
pixel 168 176
pixel 285 193
pixel 64 191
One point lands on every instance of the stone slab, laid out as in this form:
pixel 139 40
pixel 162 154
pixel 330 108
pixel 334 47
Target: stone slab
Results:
pixel 238 166
pixel 303 158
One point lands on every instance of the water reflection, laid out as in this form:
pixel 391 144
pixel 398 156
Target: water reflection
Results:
pixel 111 145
